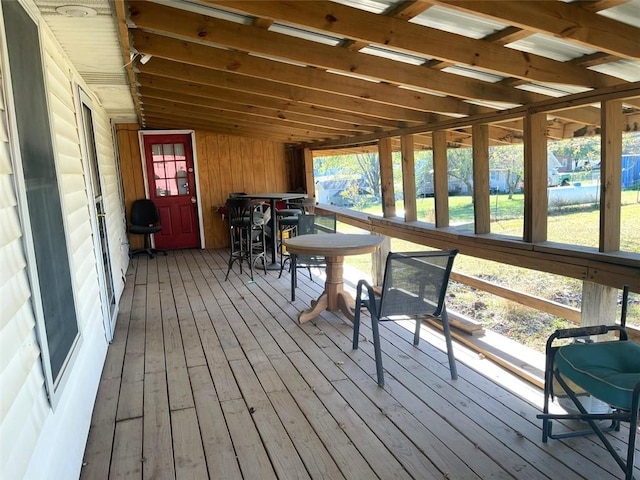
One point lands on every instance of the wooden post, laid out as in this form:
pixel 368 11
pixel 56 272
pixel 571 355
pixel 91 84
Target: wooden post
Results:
pixel 386 178
pixel 536 199
pixel 610 178
pixel 309 178
pixel 599 302
pixel 440 178
pixel 481 207
pixel 408 178
pixel 379 259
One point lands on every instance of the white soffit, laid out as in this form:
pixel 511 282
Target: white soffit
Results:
pixel 93 46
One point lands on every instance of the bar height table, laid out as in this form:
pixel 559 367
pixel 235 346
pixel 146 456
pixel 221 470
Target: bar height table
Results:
pixel 273 221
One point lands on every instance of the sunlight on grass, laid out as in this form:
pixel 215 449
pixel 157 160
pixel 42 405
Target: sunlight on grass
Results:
pixel 528 326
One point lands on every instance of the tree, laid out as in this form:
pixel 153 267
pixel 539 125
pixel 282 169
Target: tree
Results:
pixel 460 165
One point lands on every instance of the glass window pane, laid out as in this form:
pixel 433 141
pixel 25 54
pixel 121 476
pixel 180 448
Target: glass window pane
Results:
pixel 179 150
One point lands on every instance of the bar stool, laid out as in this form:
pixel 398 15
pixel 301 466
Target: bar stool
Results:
pixel 246 230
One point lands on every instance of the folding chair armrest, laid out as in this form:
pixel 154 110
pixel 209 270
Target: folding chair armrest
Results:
pixel 369 288
pixel 588 331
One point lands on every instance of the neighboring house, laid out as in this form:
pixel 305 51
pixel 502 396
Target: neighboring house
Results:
pixel 58 299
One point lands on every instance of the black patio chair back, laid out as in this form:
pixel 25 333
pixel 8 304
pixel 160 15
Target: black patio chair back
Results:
pixel 308 224
pixel 414 287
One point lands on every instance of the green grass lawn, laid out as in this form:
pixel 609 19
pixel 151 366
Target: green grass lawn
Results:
pixel 576 226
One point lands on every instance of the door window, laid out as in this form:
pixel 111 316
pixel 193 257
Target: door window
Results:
pixel 170 169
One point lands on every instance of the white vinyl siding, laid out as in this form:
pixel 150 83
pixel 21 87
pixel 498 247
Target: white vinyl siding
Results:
pixel 23 404
pixel 75 202
pixel 36 440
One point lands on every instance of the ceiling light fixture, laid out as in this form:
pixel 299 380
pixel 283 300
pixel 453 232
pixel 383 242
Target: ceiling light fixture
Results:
pixel 76 11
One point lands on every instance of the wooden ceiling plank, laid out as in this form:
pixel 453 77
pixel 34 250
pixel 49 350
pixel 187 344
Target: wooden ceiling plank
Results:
pixel 255 117
pixel 356 24
pixel 157 121
pixel 217 122
pixel 236 119
pixel 247 106
pixel 172 87
pixel 156 17
pixel 206 76
pixel 244 64
pixel 563 20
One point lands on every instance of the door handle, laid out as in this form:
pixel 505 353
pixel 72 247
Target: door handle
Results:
pixel 193 200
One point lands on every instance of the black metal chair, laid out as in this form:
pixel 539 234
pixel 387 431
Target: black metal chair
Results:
pixel 414 286
pixel 307 224
pixel 592 375
pixel 144 220
pixel 246 229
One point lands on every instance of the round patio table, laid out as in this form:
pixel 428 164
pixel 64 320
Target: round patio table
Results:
pixel 334 247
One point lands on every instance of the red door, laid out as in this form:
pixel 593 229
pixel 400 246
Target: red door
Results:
pixel 172 187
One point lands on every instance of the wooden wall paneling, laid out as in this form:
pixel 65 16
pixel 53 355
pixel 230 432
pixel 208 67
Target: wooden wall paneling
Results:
pixel 264 165
pixel 408 178
pixel 440 178
pixel 131 168
pixel 536 197
pixel 237 157
pixel 219 190
pixel 386 177
pixel 610 168
pixel 481 206
pixel 224 160
pixel 310 184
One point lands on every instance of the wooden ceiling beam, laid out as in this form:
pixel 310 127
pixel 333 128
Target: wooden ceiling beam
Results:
pixel 206 76
pixel 251 108
pixel 171 87
pixel 172 108
pixel 155 17
pixel 225 121
pixel 231 113
pixel 564 20
pixel 356 24
pixel 160 122
pixel 244 64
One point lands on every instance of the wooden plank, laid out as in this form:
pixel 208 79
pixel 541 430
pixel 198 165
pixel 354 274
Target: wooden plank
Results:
pixel 99 445
pixel 131 391
pixel 187 445
pixel 481 208
pixel 535 178
pixel 408 178
pixel 386 178
pixel 251 453
pixel 127 450
pixel 312 451
pixel 218 448
pixel 157 443
pixel 610 178
pixel 440 178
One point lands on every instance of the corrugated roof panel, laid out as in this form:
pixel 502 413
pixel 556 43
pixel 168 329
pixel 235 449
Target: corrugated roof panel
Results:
pixel 373 6
pixel 306 34
pixel 394 55
pixel 628 70
pixel 208 10
pixel 628 12
pixel 551 90
pixel 473 73
pixel 550 47
pixel 458 22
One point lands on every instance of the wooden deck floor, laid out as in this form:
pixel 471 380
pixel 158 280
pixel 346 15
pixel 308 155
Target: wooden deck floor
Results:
pixel 214 379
